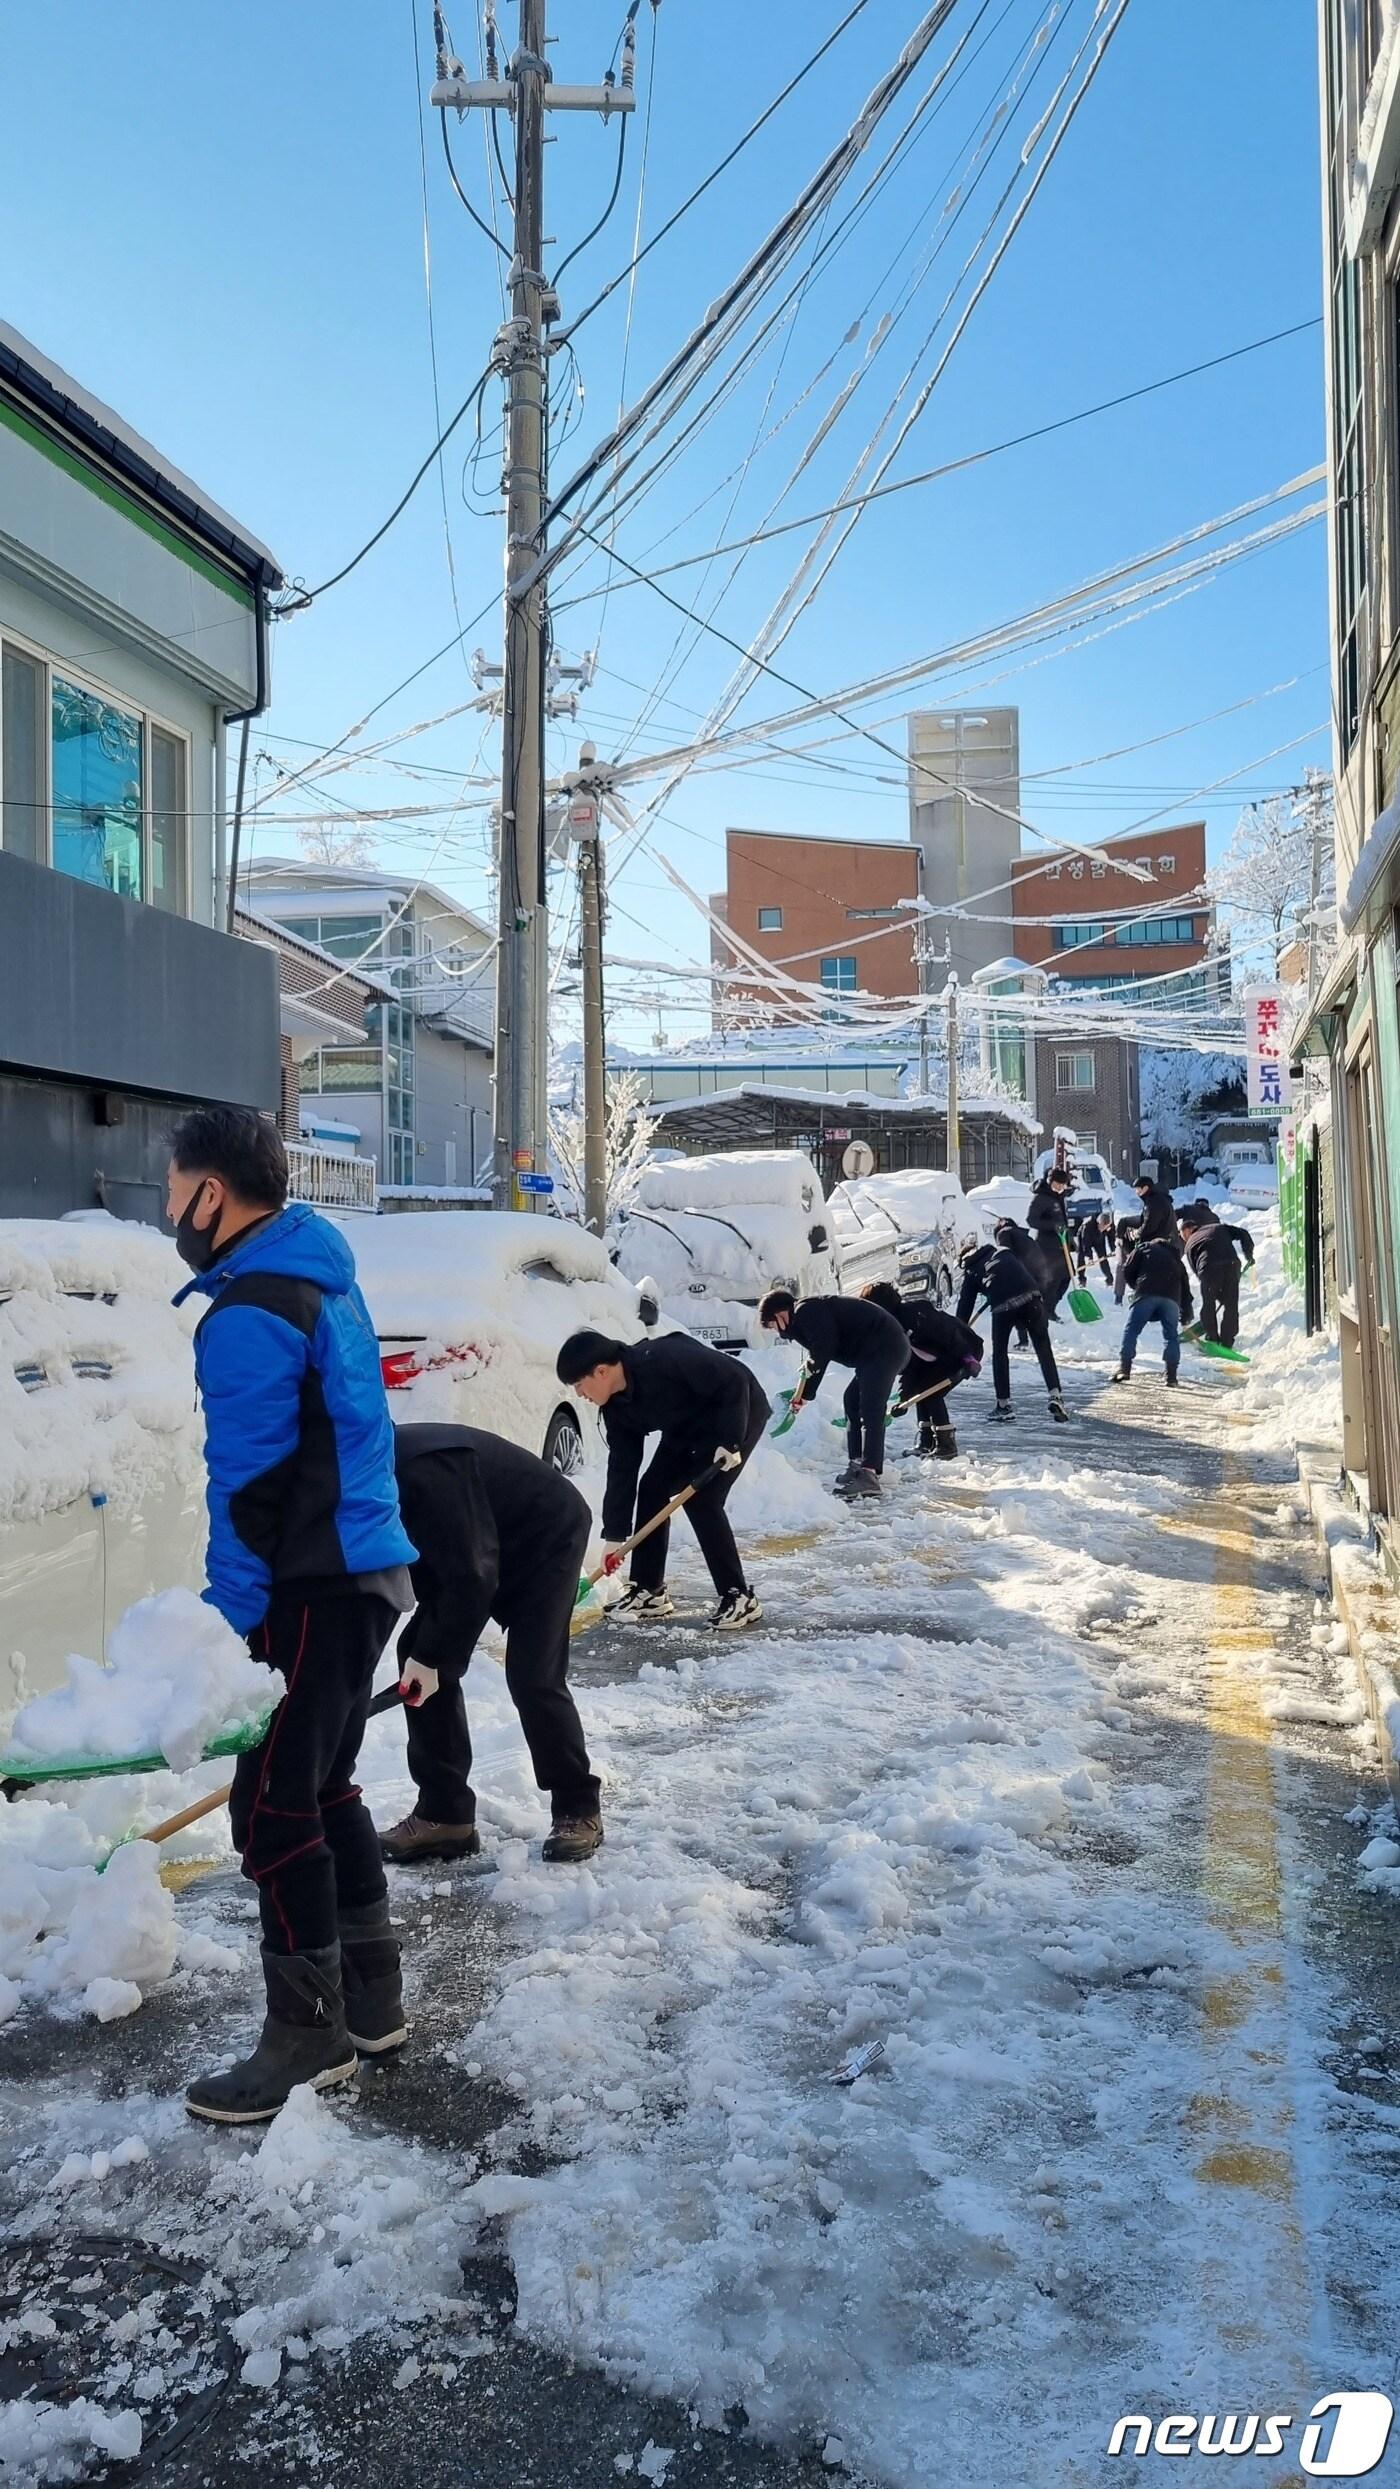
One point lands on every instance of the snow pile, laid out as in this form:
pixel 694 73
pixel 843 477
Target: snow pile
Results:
pixel 42 2441
pixel 780 1179
pixel 106 1405
pixel 177 1678
pixel 1292 1392
pixel 69 1936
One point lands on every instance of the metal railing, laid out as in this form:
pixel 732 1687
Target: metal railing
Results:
pixel 331 1179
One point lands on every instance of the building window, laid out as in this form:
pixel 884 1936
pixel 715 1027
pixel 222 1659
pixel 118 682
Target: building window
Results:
pixel 839 976
pixel 97 790
pixel 22 830
pixel 1074 1071
pixel 1149 932
pixel 770 920
pixel 169 821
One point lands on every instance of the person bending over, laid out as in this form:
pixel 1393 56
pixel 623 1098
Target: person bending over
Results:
pixel 850 1331
pixel 500 1534
pixel 1210 1250
pixel 943 1351
pixel 995 1275
pixel 1156 1274
pixel 710 1413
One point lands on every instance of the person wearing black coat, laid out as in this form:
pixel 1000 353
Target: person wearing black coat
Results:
pixel 1210 1250
pixel 1158 1212
pixel 845 1330
pixel 942 1350
pixel 1092 1241
pixel 710 1413
pixel 1048 1221
pixel 996 1276
pixel 500 1534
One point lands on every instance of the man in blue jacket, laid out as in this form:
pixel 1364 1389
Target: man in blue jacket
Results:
pixel 308 1558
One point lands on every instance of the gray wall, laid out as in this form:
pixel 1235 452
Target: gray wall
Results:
pixel 55 1156
pixel 967 847
pixel 103 990
pixel 451 1079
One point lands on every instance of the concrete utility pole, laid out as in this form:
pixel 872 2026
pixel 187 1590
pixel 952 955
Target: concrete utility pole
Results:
pixel 522 968
pixel 954 1125
pixel 583 826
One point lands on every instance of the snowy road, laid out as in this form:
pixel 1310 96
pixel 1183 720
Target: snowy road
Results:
pixel 1039 1775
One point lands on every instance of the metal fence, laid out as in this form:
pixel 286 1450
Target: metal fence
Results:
pixel 331 1179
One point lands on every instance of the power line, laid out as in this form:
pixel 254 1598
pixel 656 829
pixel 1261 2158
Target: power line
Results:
pixel 722 167
pixel 952 466
pixel 303 597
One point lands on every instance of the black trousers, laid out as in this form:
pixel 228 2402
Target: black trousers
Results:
pixel 301 1828
pixel 1027 1315
pixel 1102 1260
pixel 1220 1304
pixel 867 1397
pixel 672 1466
pixel 535 1610
pixel 921 1374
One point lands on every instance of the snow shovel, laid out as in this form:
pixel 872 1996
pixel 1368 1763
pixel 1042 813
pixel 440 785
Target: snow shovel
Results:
pixel 219 1797
pixel 611 1563
pixel 16 1773
pixel 1083 1303
pixel 792 1402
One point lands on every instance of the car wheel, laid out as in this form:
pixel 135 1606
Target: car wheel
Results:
pixel 945 1287
pixel 563 1444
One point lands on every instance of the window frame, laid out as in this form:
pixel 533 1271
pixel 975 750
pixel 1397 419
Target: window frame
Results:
pixel 50 662
pixel 765 914
pixel 43 749
pixel 1074 1055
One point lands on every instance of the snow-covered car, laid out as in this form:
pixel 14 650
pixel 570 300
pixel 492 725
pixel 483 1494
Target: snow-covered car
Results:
pixel 101 1468
pixel 471 1309
pixel 718 1232
pixel 906 1227
pixel 1093 1191
pixel 1249 1172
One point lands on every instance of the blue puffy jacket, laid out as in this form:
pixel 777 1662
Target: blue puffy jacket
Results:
pixel 298 1442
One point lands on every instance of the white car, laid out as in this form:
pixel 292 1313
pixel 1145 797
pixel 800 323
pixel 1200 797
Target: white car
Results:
pixel 472 1308
pixel 906 1227
pixel 101 1467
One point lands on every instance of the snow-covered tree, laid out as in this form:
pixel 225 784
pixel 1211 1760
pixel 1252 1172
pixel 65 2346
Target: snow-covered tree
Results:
pixel 323 845
pixel 627 1137
pixel 1182 1093
pixel 1263 881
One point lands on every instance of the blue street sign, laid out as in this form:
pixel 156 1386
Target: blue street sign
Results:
pixel 535 1183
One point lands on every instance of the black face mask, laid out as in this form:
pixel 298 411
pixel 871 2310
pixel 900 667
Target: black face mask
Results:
pixel 195 1245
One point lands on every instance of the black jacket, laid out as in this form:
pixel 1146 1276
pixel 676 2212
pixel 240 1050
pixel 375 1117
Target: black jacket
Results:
pixel 999 1275
pixel 842 1330
pixel 693 1397
pixel 1048 1220
pixel 487 1518
pixel 1157 1269
pixel 1212 1249
pixel 940 1337
pixel 1158 1215
pixel 1093 1236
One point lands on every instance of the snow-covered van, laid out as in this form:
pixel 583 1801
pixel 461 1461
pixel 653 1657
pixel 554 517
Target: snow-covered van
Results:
pixel 718 1232
pixel 906 1227
pixel 1093 1191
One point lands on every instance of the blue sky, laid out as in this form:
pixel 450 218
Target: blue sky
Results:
pixel 224 236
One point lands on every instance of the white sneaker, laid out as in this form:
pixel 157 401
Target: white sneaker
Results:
pixel 642 1607
pixel 736 1609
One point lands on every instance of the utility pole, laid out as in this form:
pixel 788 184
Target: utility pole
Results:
pixel 954 1126
pixel 583 826
pixel 519 354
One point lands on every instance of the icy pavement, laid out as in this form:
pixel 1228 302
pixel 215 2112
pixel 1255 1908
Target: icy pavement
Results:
pixel 1040 1775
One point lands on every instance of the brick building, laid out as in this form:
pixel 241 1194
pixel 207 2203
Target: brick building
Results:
pixel 813 903
pixel 1098 930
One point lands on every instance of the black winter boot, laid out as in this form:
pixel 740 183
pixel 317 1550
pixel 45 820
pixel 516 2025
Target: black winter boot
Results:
pixel 947 1444
pixel 371 1980
pixel 304 2040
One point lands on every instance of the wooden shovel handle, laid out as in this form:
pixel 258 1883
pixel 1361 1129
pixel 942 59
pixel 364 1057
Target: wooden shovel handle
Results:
pixel 220 1797
pixel 706 1478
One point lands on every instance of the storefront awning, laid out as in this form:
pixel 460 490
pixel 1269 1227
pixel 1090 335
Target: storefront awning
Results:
pixel 1316 1030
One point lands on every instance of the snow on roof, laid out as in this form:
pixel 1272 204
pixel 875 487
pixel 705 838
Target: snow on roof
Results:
pixel 63 398
pixel 344 880
pixel 1010 1110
